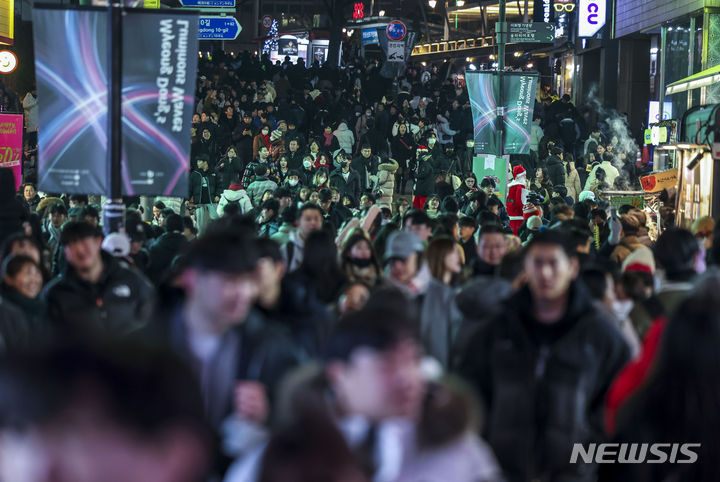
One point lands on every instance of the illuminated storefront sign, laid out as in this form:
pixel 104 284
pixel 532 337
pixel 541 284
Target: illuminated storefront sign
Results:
pixel 592 15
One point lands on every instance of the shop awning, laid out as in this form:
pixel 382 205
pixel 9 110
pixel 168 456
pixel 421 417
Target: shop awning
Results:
pixel 701 79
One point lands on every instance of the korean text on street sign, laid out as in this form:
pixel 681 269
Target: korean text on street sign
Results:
pixel 218 28
pixel 536 32
pixel 208 3
pixel 396 51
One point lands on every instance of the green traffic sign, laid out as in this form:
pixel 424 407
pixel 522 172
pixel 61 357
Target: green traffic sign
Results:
pixel 536 32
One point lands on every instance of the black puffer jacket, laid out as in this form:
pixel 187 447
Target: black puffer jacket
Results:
pixel 556 171
pixel 424 179
pixel 120 303
pixel 544 386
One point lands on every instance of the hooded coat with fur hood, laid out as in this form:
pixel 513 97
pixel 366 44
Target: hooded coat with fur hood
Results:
pixel 386 182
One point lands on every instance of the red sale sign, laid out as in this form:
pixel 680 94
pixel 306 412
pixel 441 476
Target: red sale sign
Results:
pixel 11 135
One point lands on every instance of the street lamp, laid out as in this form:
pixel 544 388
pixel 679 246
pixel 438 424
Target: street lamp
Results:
pixel 432 3
pixel 460 3
pixel 381 13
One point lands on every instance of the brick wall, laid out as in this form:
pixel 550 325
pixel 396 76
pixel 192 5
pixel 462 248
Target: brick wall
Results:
pixel 635 15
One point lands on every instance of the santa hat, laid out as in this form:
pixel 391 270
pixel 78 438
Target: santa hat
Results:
pixel 640 260
pixel 518 171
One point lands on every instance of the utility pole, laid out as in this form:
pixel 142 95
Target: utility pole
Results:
pixel 114 210
pixel 501 30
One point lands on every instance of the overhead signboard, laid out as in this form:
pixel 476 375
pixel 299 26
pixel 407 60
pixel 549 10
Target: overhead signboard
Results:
pixel 536 32
pixel 219 28
pixel 208 3
pixel 7 21
pixel 592 15
pixel 370 36
pixel 358 11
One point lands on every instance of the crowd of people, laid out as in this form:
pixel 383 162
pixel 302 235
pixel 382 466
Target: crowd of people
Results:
pixel 339 298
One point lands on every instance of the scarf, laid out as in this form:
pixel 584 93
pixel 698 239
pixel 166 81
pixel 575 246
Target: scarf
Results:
pixel 328 138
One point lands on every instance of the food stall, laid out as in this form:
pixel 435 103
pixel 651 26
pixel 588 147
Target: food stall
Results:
pixel 698 193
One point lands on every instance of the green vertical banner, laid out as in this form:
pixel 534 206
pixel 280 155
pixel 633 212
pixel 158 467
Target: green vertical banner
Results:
pixel 519 106
pixel 495 167
pixel 519 89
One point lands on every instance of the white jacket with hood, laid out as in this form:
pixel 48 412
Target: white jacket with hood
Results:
pixel 239 196
pixel 345 138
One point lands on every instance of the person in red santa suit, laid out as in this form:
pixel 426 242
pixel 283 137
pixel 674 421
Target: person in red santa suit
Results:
pixel 517 196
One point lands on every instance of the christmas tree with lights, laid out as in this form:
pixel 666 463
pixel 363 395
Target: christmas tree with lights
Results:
pixel 272 42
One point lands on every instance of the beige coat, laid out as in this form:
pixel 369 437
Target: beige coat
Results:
pixel 572 183
pixel 386 182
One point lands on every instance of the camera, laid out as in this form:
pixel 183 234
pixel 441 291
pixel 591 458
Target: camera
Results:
pixel 535 198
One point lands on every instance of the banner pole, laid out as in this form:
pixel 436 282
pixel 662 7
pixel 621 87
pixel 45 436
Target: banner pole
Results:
pixel 501 40
pixel 114 210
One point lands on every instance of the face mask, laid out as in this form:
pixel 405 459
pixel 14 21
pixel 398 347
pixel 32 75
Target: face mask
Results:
pixel 307 164
pixel 343 164
pixel 265 132
pixel 360 263
pixel 293 182
pixel 431 141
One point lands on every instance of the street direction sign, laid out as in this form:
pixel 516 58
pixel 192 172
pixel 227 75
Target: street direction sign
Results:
pixel 536 32
pixel 208 3
pixel 218 28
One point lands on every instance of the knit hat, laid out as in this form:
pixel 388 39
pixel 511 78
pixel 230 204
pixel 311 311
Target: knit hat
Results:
pixel 641 259
pixel 586 195
pixel 314 94
pixel 275 135
pixel 534 223
pixel 518 171
pixel 235 186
